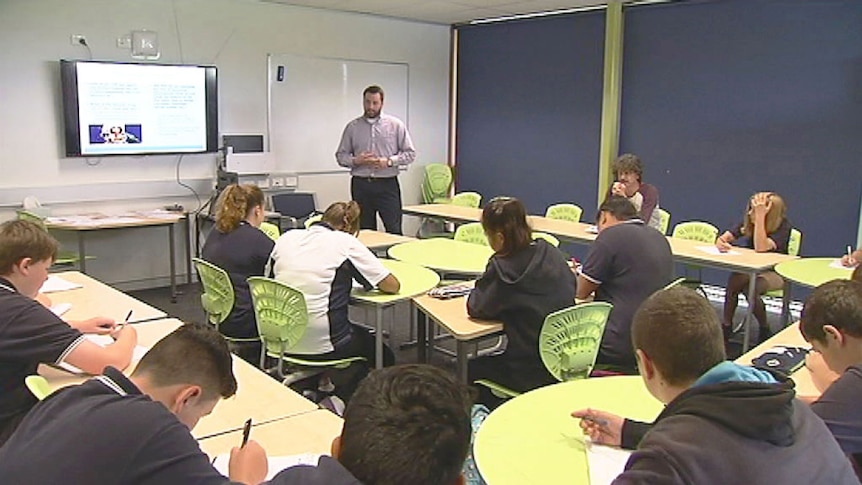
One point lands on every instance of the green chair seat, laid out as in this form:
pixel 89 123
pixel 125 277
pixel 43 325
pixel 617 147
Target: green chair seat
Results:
pixel 564 212
pixel 270 230
pixel 218 297
pixel 38 386
pixel 568 344
pixel 472 232
pixel 282 319
pixel 552 240
pixel 466 199
pixel 664 217
pixel 436 183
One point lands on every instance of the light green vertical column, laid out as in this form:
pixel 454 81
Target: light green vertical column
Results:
pixel 611 94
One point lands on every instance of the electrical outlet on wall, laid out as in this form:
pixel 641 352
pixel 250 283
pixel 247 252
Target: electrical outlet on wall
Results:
pixel 78 39
pixel 277 181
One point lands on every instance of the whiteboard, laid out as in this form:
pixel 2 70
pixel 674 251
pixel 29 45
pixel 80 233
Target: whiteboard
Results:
pixel 317 97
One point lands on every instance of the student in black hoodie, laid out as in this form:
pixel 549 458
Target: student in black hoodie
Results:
pixel 524 282
pixel 724 423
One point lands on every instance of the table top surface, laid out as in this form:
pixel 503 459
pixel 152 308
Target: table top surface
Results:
pixel 377 239
pixel 740 259
pixel 533 439
pixel 414 279
pixel 311 432
pixel 258 396
pixel 452 315
pixel 446 255
pixel 792 337
pixel 94 222
pixel 95 298
pixel 812 272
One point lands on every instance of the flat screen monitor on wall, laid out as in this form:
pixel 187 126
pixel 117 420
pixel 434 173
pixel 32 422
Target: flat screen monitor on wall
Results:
pixel 112 108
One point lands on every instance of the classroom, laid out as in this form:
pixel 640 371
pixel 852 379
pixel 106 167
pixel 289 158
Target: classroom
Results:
pixel 534 100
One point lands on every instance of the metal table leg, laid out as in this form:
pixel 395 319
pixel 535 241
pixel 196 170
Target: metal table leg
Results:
pixel 749 312
pixel 462 361
pixel 378 337
pixel 172 252
pixel 82 259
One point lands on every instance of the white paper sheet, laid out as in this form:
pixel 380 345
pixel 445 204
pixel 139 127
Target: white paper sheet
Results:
pixel 276 463
pixel 714 251
pixel 837 264
pixel 56 283
pixel 60 308
pixel 605 462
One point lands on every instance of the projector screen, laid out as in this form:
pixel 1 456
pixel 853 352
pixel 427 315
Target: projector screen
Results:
pixel 137 109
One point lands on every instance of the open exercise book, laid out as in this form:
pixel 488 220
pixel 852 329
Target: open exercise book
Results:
pixel 605 462
pixel 276 463
pixel 104 341
pixel 56 283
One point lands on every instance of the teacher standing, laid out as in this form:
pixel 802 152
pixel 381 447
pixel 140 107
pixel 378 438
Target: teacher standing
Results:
pixel 373 146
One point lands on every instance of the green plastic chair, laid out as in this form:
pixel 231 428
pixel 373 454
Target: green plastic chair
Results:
pixel 695 231
pixel 311 220
pixel 64 258
pixel 568 344
pixel 564 212
pixel 472 232
pixel 547 237
pixel 218 297
pixel 270 230
pixel 665 220
pixel 436 183
pixel 38 386
pixel 467 199
pixel 282 318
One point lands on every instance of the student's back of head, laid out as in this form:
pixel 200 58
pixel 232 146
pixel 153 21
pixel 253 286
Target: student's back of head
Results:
pixel 236 204
pixel 838 304
pixel 190 355
pixel 343 216
pixel 619 207
pixel 504 220
pixel 679 330
pixel 21 239
pixel 407 424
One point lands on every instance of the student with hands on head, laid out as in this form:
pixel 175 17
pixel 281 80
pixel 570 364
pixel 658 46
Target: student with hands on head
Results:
pixel 765 228
pixel 31 334
pixel 723 422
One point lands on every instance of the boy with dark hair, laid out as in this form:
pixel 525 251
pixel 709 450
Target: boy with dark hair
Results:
pixel 628 173
pixel 405 424
pixel 723 423
pixel 626 263
pixel 118 429
pixel 30 334
pixel 831 321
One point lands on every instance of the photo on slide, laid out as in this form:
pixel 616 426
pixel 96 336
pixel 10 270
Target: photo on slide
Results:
pixel 115 134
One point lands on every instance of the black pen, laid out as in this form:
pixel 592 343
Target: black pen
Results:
pixel 246 430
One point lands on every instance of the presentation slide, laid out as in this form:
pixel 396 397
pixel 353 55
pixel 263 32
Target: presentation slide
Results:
pixel 137 108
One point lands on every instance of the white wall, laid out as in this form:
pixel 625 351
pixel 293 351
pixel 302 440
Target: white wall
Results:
pixel 235 35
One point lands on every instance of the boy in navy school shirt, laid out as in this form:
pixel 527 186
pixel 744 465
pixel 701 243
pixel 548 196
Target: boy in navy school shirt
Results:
pixel 723 423
pixel 831 321
pixel 30 334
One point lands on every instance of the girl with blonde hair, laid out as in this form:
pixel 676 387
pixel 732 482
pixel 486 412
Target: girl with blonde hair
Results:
pixel 239 247
pixel 764 228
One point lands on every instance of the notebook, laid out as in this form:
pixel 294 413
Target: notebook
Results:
pixel 276 463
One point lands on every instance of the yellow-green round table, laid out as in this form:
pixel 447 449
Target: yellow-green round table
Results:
pixel 415 280
pixel 444 255
pixel 532 438
pixel 812 272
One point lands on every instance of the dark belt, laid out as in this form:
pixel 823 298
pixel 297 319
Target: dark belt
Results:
pixel 373 179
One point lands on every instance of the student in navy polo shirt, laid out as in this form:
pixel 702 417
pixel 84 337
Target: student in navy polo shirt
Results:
pixel 239 247
pixel 322 262
pixel 30 334
pixel 626 263
pixel 118 429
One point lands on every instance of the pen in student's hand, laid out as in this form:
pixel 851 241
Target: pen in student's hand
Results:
pixel 246 430
pixel 597 420
pixel 849 251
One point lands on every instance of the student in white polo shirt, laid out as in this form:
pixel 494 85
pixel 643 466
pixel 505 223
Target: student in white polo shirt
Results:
pixel 322 262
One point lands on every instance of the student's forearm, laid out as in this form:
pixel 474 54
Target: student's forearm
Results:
pixel 761 240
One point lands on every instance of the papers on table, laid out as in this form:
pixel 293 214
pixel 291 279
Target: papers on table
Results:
pixel 592 229
pixel 837 264
pixel 605 462
pixel 60 308
pixel 56 283
pixel 276 463
pixel 714 251
pixel 104 341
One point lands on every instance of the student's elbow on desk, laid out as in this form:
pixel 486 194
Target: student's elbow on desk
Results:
pixel 389 284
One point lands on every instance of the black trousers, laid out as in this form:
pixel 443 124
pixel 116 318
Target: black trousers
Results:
pixel 378 195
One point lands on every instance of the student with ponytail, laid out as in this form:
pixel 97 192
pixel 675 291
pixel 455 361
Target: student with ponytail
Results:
pixel 239 247
pixel 322 262
pixel 525 281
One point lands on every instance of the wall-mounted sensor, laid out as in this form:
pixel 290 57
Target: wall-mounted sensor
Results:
pixel 279 76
